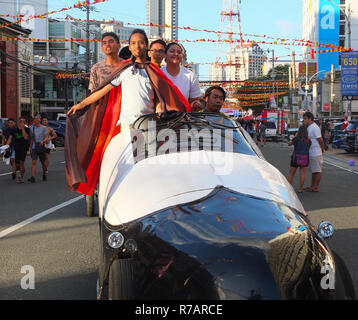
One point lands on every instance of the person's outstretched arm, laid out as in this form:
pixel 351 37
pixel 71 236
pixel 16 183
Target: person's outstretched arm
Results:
pixel 91 99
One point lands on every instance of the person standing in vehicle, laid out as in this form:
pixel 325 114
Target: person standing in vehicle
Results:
pixel 186 81
pixel 214 99
pixel 39 137
pixel 20 137
pixel 49 145
pixel 315 152
pixel 300 155
pixel 156 52
pixel 102 69
pixel 7 133
pixel 143 89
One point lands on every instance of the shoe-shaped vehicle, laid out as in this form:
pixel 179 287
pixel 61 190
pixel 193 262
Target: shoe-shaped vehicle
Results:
pixel 190 209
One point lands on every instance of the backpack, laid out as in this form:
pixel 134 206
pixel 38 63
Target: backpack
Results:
pixel 301 152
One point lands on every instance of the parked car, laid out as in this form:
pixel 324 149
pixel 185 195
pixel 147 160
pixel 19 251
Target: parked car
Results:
pixel 356 142
pixel 337 130
pixel 60 129
pixel 172 226
pixel 61 117
pixel 271 130
pixel 349 136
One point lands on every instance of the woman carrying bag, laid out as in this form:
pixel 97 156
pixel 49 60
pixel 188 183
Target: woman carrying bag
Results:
pixel 300 155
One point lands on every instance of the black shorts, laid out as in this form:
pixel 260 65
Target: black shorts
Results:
pixel 48 150
pixel 35 154
pixel 20 155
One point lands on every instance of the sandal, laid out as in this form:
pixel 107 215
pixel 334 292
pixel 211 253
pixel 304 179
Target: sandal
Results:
pixel 309 189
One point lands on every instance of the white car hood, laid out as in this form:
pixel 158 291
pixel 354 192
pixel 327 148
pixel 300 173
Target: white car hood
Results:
pixel 130 191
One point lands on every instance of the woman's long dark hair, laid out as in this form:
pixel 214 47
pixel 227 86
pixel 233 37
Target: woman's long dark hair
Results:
pixel 303 132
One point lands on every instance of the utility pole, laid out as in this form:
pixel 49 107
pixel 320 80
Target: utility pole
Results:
pixel 332 90
pixel 307 86
pixel 87 40
pixel 349 46
pixel 66 87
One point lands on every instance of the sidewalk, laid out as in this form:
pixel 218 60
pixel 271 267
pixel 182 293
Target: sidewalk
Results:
pixel 341 158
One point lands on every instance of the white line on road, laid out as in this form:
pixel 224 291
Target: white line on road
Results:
pixel 5 174
pixel 332 164
pixel 38 216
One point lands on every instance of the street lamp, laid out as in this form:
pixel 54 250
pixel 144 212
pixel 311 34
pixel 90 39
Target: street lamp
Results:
pixel 349 33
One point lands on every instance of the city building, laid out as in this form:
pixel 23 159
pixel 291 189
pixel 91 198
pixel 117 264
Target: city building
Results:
pixel 118 28
pixel 16 79
pixel 325 22
pixel 244 63
pixel 161 12
pixel 268 65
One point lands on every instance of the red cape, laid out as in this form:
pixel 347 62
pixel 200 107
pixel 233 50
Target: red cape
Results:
pixel 89 132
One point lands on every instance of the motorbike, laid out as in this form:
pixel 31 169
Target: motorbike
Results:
pixel 190 209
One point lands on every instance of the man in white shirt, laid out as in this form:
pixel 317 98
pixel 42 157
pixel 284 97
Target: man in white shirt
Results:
pixel 137 92
pixel 316 150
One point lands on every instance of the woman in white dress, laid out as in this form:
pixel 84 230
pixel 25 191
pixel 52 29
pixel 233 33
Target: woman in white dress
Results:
pixel 186 81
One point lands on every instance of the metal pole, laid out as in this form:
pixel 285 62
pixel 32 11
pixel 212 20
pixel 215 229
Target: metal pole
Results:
pixel 332 89
pixel 306 87
pixel 66 88
pixel 87 41
pixel 349 46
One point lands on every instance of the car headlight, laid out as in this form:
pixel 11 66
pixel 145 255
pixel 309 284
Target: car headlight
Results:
pixel 325 229
pixel 115 240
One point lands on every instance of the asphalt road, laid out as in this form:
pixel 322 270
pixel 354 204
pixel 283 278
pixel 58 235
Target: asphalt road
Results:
pixel 62 245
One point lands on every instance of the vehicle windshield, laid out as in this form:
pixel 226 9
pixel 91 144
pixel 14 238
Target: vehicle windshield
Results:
pixel 193 132
pixel 270 125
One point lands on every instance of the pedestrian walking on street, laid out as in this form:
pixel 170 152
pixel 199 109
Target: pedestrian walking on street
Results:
pixel 39 138
pixel 300 155
pixel 261 133
pixel 315 153
pixel 20 136
pixel 7 133
pixel 49 145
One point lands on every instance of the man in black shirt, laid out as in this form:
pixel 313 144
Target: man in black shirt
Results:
pixel 11 125
pixel 20 136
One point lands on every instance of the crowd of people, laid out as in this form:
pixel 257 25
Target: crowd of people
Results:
pixel 23 139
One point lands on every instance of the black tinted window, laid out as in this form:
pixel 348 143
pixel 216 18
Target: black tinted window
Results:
pixel 270 125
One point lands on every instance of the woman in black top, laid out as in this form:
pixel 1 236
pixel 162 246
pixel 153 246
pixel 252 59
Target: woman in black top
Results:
pixel 300 156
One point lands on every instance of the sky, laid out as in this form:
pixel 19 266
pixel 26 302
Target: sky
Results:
pixel 277 18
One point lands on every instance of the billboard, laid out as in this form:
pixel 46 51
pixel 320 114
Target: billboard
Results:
pixel 312 68
pixel 328 30
pixel 349 80
pixel 30 8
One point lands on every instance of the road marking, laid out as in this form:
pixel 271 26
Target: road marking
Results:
pixel 332 164
pixel 5 174
pixel 38 216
